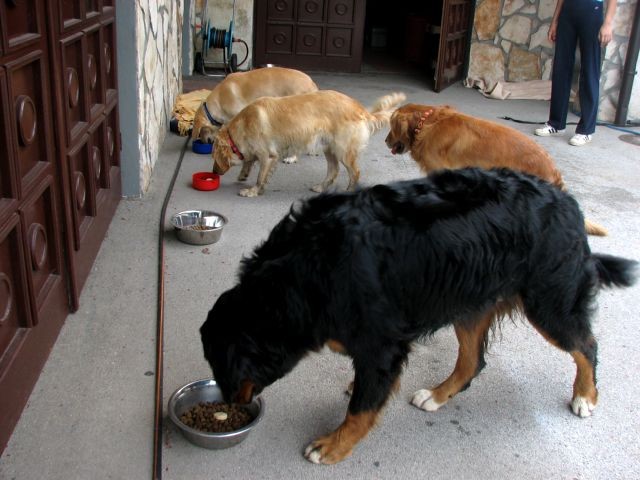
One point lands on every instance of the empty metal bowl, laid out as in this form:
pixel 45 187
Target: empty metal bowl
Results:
pixel 207 390
pixel 198 227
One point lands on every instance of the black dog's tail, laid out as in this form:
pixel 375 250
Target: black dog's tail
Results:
pixel 615 271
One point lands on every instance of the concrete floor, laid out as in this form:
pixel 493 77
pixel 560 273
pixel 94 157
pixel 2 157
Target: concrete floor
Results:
pixel 90 415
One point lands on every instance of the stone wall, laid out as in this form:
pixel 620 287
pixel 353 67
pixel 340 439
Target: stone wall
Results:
pixel 613 66
pixel 159 53
pixel 509 43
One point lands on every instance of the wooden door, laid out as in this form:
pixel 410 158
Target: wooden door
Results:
pixel 310 34
pixel 59 175
pixel 455 31
pixel 83 44
pixel 33 280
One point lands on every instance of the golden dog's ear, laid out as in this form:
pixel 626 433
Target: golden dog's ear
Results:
pixel 414 122
pixel 411 121
pixel 197 124
pixel 221 152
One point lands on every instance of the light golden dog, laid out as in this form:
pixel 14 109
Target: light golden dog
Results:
pixel 441 137
pixel 239 89
pixel 273 128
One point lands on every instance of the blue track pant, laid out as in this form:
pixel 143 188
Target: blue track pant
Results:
pixel 578 24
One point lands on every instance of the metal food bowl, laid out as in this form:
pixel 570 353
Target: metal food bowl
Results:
pixel 207 390
pixel 198 227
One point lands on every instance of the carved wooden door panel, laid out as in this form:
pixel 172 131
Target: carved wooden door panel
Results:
pixel 83 45
pixel 455 29
pixel 59 175
pixel 310 34
pixel 33 279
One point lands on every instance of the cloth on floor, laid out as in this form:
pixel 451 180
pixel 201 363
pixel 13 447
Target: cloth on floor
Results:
pixel 528 90
pixel 185 108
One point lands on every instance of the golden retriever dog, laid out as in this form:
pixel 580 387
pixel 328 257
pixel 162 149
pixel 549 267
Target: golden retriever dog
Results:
pixel 272 128
pixel 239 89
pixel 441 137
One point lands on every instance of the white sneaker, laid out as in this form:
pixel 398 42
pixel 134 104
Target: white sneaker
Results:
pixel 547 131
pixel 579 139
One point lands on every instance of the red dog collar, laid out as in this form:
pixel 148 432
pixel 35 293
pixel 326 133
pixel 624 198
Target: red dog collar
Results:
pixel 423 118
pixel 235 149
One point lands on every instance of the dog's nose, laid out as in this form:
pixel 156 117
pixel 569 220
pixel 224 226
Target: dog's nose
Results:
pixel 397 148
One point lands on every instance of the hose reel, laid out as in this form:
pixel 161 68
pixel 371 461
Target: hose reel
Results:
pixel 216 38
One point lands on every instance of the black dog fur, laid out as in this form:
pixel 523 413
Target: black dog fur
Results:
pixel 373 270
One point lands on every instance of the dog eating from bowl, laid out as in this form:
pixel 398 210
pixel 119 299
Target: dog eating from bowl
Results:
pixel 369 272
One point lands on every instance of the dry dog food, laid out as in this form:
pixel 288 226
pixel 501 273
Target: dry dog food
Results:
pixel 216 417
pixel 197 227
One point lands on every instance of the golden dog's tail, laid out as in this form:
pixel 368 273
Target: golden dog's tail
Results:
pixel 593 228
pixel 383 108
pixel 590 227
pixel 198 122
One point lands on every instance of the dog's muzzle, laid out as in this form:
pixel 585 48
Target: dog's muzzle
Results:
pixel 397 148
pixel 246 393
pixel 219 169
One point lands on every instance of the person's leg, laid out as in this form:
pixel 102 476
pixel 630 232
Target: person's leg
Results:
pixel 563 62
pixel 590 52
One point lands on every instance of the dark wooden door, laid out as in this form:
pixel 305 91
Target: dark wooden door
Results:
pixel 310 34
pixel 455 31
pixel 83 48
pixel 59 175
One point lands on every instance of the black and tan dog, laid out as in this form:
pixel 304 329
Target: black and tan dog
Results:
pixel 369 272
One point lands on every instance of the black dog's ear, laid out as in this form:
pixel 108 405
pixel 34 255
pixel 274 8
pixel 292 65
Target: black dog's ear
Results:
pixel 384 193
pixel 467 185
pixel 220 317
pixel 384 200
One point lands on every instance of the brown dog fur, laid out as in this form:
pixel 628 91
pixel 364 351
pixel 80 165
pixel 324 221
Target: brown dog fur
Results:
pixel 239 89
pixel 274 128
pixel 446 138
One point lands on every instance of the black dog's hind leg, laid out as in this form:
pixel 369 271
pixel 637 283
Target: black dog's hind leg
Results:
pixel 584 351
pixel 570 332
pixel 471 339
pixel 372 386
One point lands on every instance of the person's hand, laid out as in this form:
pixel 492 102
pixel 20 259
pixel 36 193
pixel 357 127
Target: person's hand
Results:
pixel 551 34
pixel 606 34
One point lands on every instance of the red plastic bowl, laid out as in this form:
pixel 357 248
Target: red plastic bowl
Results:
pixel 205 180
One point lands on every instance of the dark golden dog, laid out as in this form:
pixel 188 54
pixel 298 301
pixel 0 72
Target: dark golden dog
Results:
pixel 442 137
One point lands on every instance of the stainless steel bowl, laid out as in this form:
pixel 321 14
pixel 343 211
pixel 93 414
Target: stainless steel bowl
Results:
pixel 207 390
pixel 198 227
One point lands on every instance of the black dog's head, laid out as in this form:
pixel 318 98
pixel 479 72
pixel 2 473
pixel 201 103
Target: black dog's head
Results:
pixel 245 352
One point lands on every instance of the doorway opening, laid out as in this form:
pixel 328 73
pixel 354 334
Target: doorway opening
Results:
pixel 402 39
pixel 431 38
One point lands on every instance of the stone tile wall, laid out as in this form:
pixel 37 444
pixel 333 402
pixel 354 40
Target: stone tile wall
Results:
pixel 509 43
pixel 159 52
pixel 613 66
